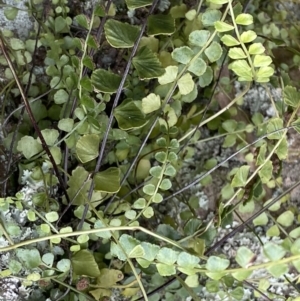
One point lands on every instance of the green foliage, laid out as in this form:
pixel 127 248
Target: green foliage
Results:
pixel 117 117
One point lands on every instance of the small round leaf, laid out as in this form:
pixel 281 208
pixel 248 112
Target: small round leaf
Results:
pixel 165 184
pixel 66 124
pixel 198 67
pixel 199 37
pixel 130 214
pixel 244 19
pixel 83 238
pixel 149 189
pixel 158 198
pixel 139 203
pixel 87 147
pixel 52 216
pixel 244 256
pixel 151 103
pixel 156 171
pixel 217 264
pixel 286 219
pixel 248 36
pixel 48 259
pixel 64 265
pixel 213 52
pixel 273 251
pixel 169 76
pixel 186 84
pixel 229 41
pixel 221 26
pixel 183 55
pixel 148 213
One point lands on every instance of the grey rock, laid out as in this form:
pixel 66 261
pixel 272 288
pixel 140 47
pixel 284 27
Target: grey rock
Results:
pixel 23 23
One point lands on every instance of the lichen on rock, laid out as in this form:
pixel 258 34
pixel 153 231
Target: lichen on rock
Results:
pixel 22 24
